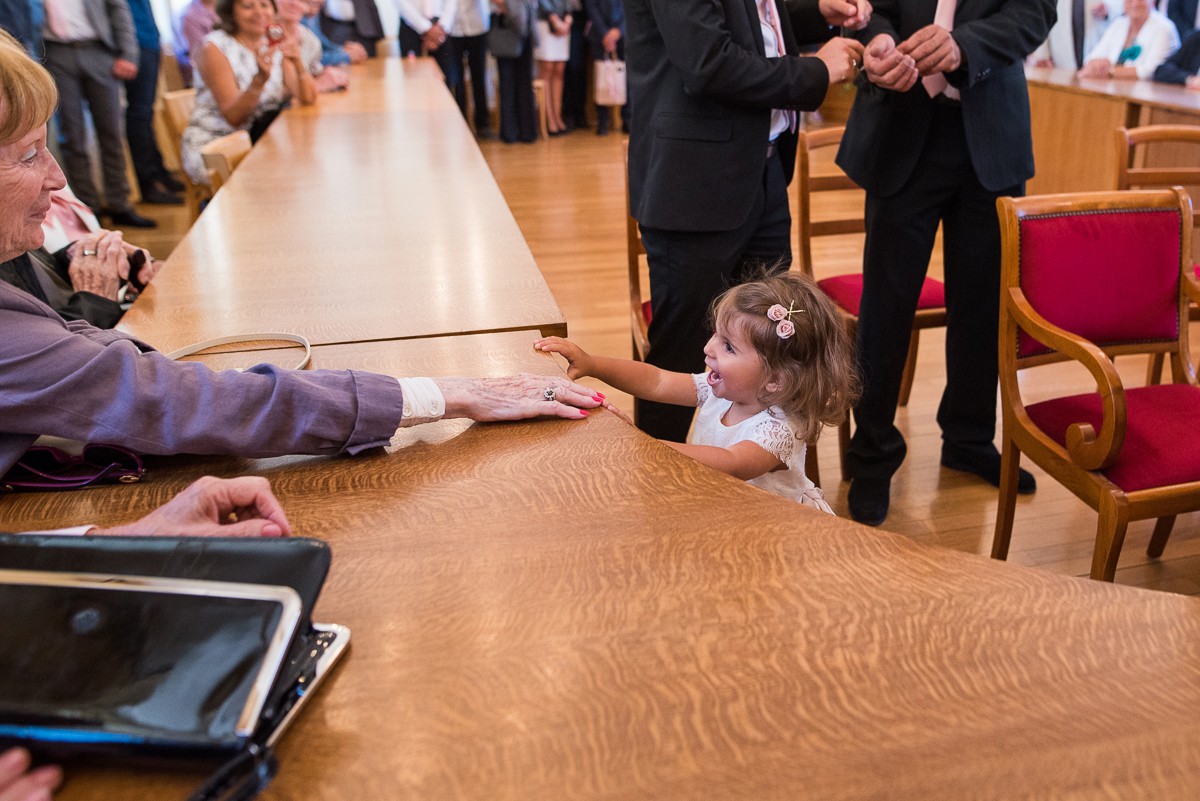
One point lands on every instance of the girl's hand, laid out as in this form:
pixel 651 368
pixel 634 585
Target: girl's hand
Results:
pixel 578 361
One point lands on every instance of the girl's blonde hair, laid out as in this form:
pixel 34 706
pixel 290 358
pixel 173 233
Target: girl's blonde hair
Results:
pixel 27 92
pixel 814 369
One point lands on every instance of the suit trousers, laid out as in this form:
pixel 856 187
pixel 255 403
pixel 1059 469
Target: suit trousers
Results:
pixel 139 121
pixel 450 58
pixel 82 72
pixel 518 111
pixel 689 269
pixel 901 230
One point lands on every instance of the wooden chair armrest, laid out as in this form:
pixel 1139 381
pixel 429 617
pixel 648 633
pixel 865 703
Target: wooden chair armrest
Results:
pixel 1087 449
pixel 1191 287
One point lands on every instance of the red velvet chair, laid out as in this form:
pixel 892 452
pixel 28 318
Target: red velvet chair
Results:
pixel 846 290
pixel 1161 156
pixel 1087 277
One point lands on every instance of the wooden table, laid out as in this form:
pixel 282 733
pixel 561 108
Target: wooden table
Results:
pixel 371 217
pixel 1073 122
pixel 569 610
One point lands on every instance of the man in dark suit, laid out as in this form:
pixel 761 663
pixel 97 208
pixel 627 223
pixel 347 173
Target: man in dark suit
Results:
pixel 938 143
pixel 606 37
pixel 1184 14
pixel 712 148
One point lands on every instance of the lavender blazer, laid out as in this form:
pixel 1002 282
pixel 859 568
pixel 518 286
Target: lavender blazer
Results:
pixel 72 380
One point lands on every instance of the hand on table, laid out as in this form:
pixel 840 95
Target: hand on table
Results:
pixel 515 397
pixel 215 507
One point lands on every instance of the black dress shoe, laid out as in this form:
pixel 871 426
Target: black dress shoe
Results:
pixel 986 465
pixel 161 197
pixel 869 499
pixel 128 219
pixel 171 184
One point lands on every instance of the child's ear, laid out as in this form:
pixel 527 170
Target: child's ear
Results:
pixel 772 385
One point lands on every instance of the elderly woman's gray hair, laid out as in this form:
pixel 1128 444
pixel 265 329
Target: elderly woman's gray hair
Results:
pixel 27 92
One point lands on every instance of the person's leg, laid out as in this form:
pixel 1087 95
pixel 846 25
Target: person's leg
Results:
pixel 575 75
pixel 139 125
pixel 555 93
pixel 409 40
pixel 476 50
pixel 967 413
pixel 901 230
pixel 103 93
pixel 63 64
pixel 526 106
pixel 506 69
pixel 450 58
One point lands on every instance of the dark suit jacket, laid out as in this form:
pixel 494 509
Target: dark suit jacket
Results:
pixel 886 129
pixel 1184 64
pixel 1183 14
pixel 701 93
pixel 604 16
pixel 367 23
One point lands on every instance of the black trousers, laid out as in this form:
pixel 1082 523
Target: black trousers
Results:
pixel 518 112
pixel 689 269
pixel 139 121
pixel 450 58
pixel 901 230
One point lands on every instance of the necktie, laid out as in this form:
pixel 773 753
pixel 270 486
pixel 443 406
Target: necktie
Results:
pixel 1077 29
pixel 944 18
pixel 769 13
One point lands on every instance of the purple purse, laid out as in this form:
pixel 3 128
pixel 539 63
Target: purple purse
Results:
pixel 44 468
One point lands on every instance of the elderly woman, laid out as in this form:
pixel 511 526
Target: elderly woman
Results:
pixel 72 380
pixel 243 79
pixel 1133 46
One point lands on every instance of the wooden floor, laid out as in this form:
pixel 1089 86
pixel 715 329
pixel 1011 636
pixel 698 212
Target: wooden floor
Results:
pixel 567 195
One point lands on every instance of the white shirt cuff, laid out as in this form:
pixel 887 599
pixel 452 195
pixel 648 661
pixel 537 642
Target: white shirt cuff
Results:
pixel 423 401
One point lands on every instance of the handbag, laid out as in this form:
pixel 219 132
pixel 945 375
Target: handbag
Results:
pixel 44 467
pixel 503 39
pixel 609 77
pixel 169 650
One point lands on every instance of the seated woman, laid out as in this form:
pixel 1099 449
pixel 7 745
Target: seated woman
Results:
pixel 243 80
pixel 1133 46
pixel 72 380
pixel 82 270
pixel 1183 67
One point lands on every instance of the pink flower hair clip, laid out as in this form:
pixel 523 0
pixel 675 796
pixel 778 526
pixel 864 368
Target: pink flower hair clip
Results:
pixel 786 327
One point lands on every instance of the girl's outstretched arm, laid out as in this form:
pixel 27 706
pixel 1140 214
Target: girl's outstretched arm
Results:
pixel 639 379
pixel 744 460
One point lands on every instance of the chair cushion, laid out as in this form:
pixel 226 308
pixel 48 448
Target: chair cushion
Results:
pixel 647 312
pixel 846 291
pixel 1109 276
pixel 1162 441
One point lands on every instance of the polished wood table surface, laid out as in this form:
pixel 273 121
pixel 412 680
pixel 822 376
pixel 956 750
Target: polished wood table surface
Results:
pixel 569 610
pixel 373 216
pixel 1073 122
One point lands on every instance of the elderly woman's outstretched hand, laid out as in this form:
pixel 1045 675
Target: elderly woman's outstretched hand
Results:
pixel 516 397
pixel 19 783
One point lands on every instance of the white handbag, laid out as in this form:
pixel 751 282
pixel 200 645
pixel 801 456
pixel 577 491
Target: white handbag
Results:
pixel 609 80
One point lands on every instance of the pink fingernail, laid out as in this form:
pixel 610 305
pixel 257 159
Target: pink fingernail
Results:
pixel 583 413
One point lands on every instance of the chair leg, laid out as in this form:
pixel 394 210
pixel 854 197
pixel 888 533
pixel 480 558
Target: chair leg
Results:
pixel 539 97
pixel 910 367
pixel 1010 460
pixel 812 467
pixel 1154 370
pixel 1158 540
pixel 844 446
pixel 1110 536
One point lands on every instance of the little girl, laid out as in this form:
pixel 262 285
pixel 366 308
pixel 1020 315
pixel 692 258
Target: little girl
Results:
pixel 780 366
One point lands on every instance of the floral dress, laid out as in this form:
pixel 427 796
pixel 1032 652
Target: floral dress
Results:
pixel 207 122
